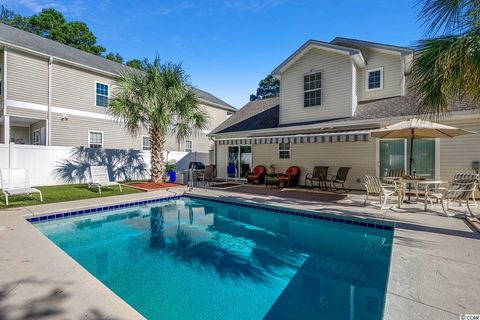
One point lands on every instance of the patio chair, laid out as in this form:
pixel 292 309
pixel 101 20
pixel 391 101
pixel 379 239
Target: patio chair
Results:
pixel 374 186
pixel 457 190
pixel 16 182
pixel 319 174
pixel 472 176
pixel 99 178
pixel 290 177
pixel 257 175
pixel 394 173
pixel 209 174
pixel 339 178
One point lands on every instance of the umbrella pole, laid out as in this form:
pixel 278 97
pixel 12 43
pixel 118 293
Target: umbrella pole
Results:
pixel 410 164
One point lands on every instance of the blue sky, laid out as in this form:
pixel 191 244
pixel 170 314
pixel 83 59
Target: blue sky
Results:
pixel 228 46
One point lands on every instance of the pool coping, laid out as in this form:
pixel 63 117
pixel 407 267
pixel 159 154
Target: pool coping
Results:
pixel 405 293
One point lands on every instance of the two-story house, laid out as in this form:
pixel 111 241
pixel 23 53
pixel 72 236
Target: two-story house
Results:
pixel 331 96
pixel 55 95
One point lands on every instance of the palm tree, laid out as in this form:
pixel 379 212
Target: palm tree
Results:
pixel 159 99
pixel 447 64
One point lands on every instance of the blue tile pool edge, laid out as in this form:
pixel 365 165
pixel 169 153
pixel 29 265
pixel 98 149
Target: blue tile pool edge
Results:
pixel 367 223
pixel 74 213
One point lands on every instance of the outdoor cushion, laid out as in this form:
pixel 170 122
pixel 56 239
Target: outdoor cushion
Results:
pixel 291 176
pixel 257 174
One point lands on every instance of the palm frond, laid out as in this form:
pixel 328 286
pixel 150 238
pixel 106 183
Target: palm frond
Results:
pixel 447 16
pixel 446 68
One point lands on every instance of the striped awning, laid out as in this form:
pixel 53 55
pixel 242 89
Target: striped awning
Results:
pixel 324 137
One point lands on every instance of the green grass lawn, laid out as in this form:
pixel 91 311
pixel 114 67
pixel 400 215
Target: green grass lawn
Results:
pixel 61 193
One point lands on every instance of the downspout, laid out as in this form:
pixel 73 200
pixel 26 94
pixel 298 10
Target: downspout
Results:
pixel 49 112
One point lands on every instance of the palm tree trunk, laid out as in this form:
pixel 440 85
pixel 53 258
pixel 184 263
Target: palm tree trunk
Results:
pixel 157 161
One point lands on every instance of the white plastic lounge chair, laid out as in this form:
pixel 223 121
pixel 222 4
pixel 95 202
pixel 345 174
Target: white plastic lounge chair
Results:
pixel 457 190
pixel 16 182
pixel 99 178
pixel 374 185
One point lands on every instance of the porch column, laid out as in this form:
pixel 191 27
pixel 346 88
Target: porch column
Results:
pixel 6 129
pixel 48 128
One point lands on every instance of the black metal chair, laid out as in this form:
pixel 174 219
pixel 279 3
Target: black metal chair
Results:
pixel 339 178
pixel 319 174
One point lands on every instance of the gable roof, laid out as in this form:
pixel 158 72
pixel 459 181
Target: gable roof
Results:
pixel 253 115
pixel 26 41
pixel 310 44
pixel 374 45
pixel 263 116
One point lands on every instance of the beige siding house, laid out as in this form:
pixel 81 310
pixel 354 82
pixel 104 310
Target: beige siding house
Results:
pixel 333 94
pixel 52 94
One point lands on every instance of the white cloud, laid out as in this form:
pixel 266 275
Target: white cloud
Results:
pixel 214 6
pixel 35 5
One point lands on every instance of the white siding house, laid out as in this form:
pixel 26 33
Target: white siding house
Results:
pixel 56 95
pixel 362 87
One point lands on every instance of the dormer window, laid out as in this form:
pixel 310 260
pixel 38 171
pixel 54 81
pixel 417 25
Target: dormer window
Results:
pixel 375 79
pixel 312 87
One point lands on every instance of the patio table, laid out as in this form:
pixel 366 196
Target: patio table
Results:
pixel 272 179
pixel 416 183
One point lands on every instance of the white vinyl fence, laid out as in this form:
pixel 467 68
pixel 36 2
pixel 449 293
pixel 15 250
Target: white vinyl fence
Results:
pixel 48 165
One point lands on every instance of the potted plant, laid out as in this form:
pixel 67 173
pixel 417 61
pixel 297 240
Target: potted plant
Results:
pixel 271 169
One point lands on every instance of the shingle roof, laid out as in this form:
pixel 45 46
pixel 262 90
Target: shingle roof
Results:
pixel 23 39
pixel 253 110
pixel 264 114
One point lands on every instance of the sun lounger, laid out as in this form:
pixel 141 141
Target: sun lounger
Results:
pixel 99 178
pixel 16 182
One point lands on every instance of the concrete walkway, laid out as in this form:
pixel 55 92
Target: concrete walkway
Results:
pixel 39 281
pixel 434 272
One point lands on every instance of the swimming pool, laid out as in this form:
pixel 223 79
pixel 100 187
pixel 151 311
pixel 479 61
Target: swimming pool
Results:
pixel 190 258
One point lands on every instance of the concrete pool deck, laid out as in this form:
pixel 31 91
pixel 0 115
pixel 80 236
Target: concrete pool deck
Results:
pixel 434 272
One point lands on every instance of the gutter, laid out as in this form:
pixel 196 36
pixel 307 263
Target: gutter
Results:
pixel 44 55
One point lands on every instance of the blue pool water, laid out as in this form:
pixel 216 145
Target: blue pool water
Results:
pixel 196 259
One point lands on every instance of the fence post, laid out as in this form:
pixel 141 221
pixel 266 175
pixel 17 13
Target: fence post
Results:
pixel 11 155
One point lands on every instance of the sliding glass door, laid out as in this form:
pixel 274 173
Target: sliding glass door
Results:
pixel 239 161
pixel 395 154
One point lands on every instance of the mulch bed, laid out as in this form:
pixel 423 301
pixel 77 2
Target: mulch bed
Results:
pixel 152 185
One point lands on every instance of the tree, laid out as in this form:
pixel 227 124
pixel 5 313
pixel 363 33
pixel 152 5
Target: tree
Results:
pixel 447 64
pixel 135 63
pixel 160 100
pixel 268 87
pixel 51 24
pixel 114 57
pixel 12 19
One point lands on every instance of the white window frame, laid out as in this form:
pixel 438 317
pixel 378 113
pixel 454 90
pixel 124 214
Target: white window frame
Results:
pixel 143 145
pixel 191 146
pixel 95 95
pixel 367 76
pixel 289 151
pixel 322 83
pixel 95 131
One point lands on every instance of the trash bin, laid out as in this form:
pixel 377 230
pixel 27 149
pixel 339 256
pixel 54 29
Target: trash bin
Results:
pixel 173 176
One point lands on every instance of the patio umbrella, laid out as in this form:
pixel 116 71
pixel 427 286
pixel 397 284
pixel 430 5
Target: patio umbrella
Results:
pixel 417 128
